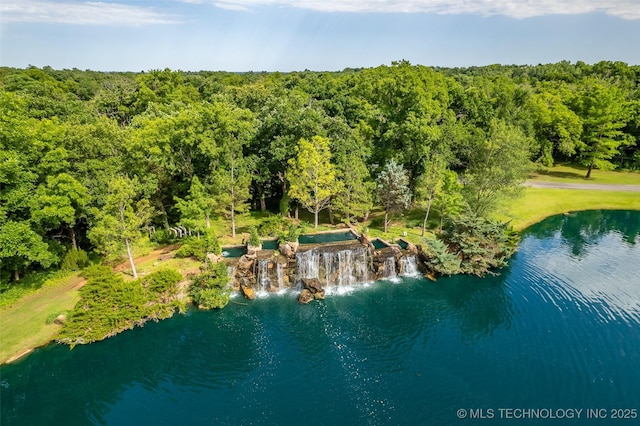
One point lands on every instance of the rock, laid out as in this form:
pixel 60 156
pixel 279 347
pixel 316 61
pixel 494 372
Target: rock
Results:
pixel 60 319
pixel 286 250
pixel 365 240
pixel 294 246
pixel 213 258
pixel 245 263
pixel 312 284
pixel 319 295
pixel 411 248
pixel 248 292
pixel 305 297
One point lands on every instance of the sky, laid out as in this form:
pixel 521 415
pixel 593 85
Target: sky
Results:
pixel 318 35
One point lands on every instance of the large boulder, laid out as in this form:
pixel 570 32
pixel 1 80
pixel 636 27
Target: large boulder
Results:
pixel 305 297
pixel 248 292
pixel 286 250
pixel 319 295
pixel 312 284
pixel 245 263
pixel 214 258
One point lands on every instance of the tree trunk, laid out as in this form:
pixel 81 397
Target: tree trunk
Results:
pixel 296 212
pixel 331 216
pixel 233 221
pixel 315 218
pixel 16 275
pixel 589 170
pixel 386 220
pixel 426 216
pixel 263 202
pixel 133 265
pixel 73 238
pixel 208 220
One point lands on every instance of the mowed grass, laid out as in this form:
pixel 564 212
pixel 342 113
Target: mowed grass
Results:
pixel 576 174
pixel 28 323
pixel 540 203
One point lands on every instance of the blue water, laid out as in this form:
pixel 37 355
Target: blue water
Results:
pixel 557 330
pixel 327 237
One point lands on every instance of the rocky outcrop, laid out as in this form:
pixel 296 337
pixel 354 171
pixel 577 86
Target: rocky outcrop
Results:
pixel 248 292
pixel 314 267
pixel 305 297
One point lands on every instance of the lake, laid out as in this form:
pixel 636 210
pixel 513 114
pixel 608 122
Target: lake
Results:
pixel 554 335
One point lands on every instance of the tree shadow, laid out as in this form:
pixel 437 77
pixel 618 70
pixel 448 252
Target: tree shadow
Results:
pixel 563 175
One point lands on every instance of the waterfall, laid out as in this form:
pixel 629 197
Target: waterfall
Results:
pixel 280 276
pixel 409 266
pixel 262 277
pixel 341 268
pixel 389 269
pixel 307 264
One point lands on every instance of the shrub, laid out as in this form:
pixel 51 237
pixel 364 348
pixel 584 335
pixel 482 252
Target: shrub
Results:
pixel 74 260
pixel 254 237
pixel 109 305
pixel 210 289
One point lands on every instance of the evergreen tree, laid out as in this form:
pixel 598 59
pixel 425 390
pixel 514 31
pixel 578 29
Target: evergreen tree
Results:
pixel 393 190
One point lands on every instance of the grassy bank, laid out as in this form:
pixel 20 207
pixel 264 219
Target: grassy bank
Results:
pixel 540 203
pixel 28 323
pixel 576 174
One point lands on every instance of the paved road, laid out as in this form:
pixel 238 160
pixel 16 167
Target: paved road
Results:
pixel 591 186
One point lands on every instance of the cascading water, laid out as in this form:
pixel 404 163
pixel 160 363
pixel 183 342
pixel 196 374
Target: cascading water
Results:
pixel 334 268
pixel 262 277
pixel 409 266
pixel 389 269
pixel 280 276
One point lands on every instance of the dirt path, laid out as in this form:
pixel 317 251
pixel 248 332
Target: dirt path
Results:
pixel 587 186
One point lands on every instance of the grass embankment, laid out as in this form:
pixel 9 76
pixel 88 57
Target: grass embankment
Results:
pixel 540 203
pixel 576 174
pixel 28 323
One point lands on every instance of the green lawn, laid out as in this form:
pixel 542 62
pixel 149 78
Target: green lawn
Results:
pixel 539 203
pixel 576 174
pixel 28 324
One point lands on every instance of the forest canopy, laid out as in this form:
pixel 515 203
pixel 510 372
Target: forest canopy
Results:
pixel 92 160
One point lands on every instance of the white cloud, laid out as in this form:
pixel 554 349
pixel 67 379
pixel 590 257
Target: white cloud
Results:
pixel 81 13
pixel 520 9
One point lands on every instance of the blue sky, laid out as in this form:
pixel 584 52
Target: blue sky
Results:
pixel 286 35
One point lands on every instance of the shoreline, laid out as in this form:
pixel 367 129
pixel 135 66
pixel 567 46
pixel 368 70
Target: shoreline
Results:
pixel 530 221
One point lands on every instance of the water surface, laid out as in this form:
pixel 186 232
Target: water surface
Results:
pixel 558 329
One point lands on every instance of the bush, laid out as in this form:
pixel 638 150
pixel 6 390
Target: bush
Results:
pixel 74 260
pixel 109 305
pixel 273 226
pixel 163 237
pixel 254 237
pixel 210 290
pixel 199 247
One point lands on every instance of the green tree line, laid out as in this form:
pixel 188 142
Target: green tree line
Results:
pixel 92 160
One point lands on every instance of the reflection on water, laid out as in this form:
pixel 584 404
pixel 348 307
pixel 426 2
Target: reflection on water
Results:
pixel 559 328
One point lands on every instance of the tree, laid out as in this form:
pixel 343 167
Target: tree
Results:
pixel 557 128
pixel 232 129
pixel 428 185
pixel 232 182
pixel 121 218
pixel 60 202
pixel 498 165
pixel 393 190
pixel 311 175
pixel 604 113
pixel 449 199
pixel 21 247
pixel 197 206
